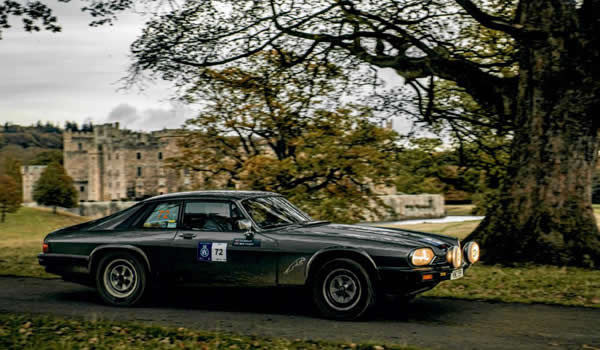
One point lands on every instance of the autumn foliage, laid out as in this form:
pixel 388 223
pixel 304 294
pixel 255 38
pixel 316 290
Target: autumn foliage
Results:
pixel 267 128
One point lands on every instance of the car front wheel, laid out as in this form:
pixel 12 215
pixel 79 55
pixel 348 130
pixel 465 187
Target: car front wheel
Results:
pixel 342 290
pixel 120 279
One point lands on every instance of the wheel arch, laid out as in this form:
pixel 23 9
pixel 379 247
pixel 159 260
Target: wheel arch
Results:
pixel 100 250
pixel 326 254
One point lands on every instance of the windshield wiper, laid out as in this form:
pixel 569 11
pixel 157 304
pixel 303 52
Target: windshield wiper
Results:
pixel 317 222
pixel 280 225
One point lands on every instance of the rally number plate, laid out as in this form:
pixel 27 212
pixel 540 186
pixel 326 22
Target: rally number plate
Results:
pixel 456 274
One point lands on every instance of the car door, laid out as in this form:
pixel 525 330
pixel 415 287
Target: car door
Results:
pixel 211 250
pixel 153 231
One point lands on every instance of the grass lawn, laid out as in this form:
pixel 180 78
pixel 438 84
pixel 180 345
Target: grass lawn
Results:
pixel 525 284
pixel 21 238
pixel 44 332
pixel 463 209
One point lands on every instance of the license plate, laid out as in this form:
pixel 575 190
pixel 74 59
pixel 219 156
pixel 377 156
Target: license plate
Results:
pixel 456 274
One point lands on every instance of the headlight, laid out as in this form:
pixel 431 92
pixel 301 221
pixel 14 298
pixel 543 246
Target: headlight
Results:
pixel 472 252
pixel 454 256
pixel 421 256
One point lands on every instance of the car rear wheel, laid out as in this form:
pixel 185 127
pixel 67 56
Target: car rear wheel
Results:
pixel 342 290
pixel 120 279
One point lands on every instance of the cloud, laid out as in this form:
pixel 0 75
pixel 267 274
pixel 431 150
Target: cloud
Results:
pixel 149 119
pixel 123 113
pixel 72 75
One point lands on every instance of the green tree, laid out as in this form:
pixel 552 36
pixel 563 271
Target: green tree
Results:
pixel 10 196
pixel 55 188
pixel 12 168
pixel 47 157
pixel 37 15
pixel 263 127
pixel 539 73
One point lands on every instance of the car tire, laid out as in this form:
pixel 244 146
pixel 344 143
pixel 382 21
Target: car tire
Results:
pixel 342 290
pixel 121 279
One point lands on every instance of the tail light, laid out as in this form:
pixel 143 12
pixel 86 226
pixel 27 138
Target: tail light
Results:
pixel 45 247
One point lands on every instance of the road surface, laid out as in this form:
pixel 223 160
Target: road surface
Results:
pixel 428 322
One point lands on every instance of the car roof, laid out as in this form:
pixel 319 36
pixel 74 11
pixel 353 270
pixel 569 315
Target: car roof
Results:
pixel 224 194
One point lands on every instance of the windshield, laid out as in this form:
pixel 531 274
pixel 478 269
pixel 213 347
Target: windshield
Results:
pixel 269 212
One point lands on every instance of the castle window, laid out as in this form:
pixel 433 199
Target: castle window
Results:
pixel 139 155
pixel 81 189
pixel 139 171
pixel 117 156
pixel 99 148
pixel 80 146
pixel 159 155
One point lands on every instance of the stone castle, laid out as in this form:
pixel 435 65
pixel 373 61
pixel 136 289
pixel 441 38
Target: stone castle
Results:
pixel 113 164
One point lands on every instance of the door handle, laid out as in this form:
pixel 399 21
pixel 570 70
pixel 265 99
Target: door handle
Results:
pixel 187 235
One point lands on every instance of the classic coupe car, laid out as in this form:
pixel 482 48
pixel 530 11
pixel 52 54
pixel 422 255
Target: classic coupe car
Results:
pixel 250 238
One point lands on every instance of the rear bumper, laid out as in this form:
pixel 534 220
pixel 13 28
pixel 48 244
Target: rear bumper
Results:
pixel 70 267
pixel 410 281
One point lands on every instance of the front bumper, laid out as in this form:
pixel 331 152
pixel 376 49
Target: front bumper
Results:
pixel 412 281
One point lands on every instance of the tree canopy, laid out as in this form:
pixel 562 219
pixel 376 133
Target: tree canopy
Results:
pixel 268 128
pixel 10 196
pixel 12 168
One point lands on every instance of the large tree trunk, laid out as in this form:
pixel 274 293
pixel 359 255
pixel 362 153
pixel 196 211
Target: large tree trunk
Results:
pixel 544 211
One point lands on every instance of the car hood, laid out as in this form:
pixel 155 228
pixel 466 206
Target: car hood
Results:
pixel 376 234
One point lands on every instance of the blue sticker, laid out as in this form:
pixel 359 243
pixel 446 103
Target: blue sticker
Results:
pixel 204 251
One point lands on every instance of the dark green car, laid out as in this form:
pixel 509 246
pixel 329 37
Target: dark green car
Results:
pixel 252 239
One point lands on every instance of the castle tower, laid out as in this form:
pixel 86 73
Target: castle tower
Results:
pixel 76 146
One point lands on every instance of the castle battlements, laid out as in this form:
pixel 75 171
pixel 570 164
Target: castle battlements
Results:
pixel 109 163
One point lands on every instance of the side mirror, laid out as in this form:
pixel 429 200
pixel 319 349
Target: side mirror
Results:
pixel 245 225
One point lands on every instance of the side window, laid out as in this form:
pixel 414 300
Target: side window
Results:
pixel 211 216
pixel 164 215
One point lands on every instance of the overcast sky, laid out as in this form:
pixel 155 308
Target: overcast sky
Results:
pixel 74 75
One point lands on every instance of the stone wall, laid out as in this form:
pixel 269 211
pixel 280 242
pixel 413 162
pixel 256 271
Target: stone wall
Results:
pixel 395 207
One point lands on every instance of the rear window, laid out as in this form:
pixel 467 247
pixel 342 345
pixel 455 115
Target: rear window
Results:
pixel 114 220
